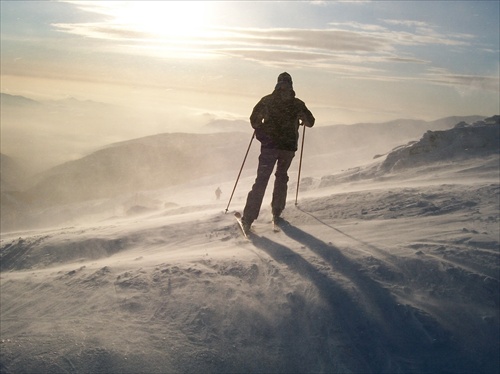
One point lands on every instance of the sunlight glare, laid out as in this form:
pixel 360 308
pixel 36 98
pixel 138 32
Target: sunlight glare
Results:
pixel 165 19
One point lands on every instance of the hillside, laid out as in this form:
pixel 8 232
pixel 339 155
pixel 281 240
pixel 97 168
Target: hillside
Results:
pixel 124 169
pixel 336 148
pixel 381 275
pixel 377 270
pixel 167 159
pixel 144 164
pixel 13 175
pixel 461 144
pixel 463 141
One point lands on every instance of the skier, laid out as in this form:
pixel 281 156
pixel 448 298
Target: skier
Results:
pixel 218 192
pixel 276 119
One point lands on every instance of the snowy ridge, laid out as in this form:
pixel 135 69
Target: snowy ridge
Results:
pixel 448 151
pixel 463 141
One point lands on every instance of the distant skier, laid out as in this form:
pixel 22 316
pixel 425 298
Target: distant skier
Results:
pixel 218 192
pixel 276 119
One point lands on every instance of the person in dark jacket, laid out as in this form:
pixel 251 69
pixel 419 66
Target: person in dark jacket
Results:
pixel 276 119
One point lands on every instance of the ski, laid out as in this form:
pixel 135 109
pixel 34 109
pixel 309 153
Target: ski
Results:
pixel 237 215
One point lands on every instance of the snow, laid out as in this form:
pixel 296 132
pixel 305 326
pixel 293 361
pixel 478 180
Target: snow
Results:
pixel 378 270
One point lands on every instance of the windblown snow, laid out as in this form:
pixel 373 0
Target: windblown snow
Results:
pixel 389 267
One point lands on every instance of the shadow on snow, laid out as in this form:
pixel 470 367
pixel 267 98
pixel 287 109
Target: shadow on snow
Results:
pixel 364 327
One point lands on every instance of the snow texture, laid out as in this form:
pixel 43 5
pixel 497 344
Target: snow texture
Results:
pixel 390 267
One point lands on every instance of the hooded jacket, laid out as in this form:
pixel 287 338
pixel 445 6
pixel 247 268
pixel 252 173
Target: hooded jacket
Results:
pixel 276 119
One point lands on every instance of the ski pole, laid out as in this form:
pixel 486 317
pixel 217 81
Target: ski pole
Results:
pixel 238 177
pixel 300 163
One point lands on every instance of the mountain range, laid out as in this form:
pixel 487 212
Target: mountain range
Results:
pixel 170 159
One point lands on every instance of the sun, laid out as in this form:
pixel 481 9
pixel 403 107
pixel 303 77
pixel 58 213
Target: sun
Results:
pixel 159 28
pixel 166 29
pixel 164 19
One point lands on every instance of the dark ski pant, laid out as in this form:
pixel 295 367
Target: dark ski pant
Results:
pixel 267 159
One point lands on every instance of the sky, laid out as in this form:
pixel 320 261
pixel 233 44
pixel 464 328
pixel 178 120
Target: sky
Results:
pixel 178 65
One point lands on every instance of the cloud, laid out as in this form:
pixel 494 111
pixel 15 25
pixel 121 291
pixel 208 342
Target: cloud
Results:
pixel 360 50
pixel 102 31
pixel 406 60
pixel 348 37
pixel 352 65
pixel 349 48
pixel 461 82
pixel 323 48
pixel 416 33
pixel 408 23
pixel 311 39
pixel 357 2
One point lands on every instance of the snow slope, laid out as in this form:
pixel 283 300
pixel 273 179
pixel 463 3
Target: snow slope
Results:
pixel 398 272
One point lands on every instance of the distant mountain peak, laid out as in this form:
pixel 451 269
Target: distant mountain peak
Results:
pixel 16 100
